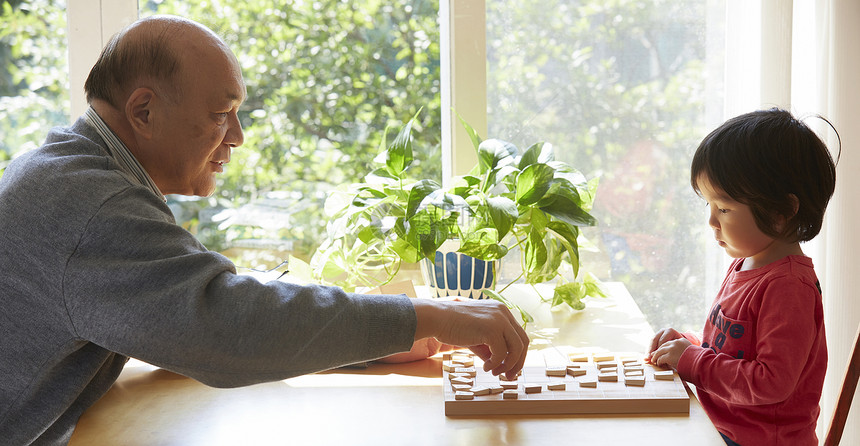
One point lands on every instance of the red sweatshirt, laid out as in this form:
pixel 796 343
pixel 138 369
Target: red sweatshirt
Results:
pixel 760 364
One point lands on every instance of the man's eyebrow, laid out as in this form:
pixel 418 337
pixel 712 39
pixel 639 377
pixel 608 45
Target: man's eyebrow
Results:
pixel 241 97
pixel 235 97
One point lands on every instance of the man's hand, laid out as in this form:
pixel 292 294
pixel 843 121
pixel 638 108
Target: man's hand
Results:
pixel 486 327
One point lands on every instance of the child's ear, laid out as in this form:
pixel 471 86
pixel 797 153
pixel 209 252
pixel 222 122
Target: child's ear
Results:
pixel 795 205
pixel 138 111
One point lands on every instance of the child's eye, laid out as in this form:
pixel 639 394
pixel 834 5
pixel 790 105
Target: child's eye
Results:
pixel 720 210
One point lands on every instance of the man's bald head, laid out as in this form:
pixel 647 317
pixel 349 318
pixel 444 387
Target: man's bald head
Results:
pixel 149 53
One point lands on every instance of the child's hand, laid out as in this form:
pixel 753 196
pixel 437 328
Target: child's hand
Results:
pixel 663 349
pixel 663 336
pixel 669 352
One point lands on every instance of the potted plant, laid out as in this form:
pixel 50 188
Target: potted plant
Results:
pixel 509 199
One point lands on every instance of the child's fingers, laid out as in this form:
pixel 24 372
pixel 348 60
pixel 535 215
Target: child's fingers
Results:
pixel 655 341
pixel 666 334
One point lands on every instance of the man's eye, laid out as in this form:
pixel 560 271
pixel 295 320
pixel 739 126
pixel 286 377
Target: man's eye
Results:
pixel 723 211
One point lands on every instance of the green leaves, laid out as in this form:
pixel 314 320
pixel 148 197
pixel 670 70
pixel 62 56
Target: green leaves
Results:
pixel 530 201
pixel 418 193
pixel 572 293
pixel 562 201
pixel 493 153
pixel 399 153
pixel 533 183
pixel 503 213
pixel 473 135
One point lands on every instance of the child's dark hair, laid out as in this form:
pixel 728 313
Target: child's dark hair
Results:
pixel 764 159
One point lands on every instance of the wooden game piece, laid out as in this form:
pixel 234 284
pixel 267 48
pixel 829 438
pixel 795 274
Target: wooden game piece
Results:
pixel 461 387
pixel 556 386
pixel 464 361
pixel 556 371
pixel 578 357
pixel 466 381
pixel 463 395
pixel 532 388
pixel 576 372
pixel 496 389
pixel 452 375
pixel 604 357
pixel 471 371
pixel 664 375
pixel 446 356
pixel 607 365
pixel 607 377
pixel 448 366
pixel 634 367
pixel 634 381
pixel 590 382
pixel 481 391
pixel 510 394
pixel 509 384
pixel 634 372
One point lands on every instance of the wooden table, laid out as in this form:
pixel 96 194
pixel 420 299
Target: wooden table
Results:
pixel 383 403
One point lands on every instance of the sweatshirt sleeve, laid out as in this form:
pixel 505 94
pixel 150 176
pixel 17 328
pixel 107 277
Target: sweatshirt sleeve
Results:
pixel 141 286
pixel 782 337
pixel 694 338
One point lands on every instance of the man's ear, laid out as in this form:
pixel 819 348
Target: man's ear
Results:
pixel 138 111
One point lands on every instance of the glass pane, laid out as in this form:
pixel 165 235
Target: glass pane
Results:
pixel 324 79
pixel 624 90
pixel 34 90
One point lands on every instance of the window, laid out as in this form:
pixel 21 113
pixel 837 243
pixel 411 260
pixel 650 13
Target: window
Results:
pixel 34 92
pixel 324 79
pixel 624 91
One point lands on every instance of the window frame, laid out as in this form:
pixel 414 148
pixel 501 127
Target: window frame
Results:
pixel 91 24
pixel 463 53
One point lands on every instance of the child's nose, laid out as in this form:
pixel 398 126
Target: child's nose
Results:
pixel 713 221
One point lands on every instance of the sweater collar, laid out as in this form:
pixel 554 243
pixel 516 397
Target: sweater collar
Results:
pixel 120 153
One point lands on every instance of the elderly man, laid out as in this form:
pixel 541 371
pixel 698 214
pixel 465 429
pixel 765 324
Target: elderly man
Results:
pixel 95 270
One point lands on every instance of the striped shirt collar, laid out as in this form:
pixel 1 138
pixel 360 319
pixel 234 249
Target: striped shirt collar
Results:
pixel 120 153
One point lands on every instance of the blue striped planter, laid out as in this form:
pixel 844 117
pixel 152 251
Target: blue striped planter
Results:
pixel 454 274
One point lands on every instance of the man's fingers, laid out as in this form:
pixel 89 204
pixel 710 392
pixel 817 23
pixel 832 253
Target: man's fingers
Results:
pixel 519 360
pixel 482 351
pixel 487 328
pixel 508 356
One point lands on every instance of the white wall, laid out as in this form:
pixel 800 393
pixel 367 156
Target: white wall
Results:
pixel 841 69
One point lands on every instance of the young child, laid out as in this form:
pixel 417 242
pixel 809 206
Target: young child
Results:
pixel 759 366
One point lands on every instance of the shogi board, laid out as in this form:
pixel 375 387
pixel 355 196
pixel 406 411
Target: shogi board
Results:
pixel 656 396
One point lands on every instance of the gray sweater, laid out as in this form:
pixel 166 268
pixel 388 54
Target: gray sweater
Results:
pixel 93 270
